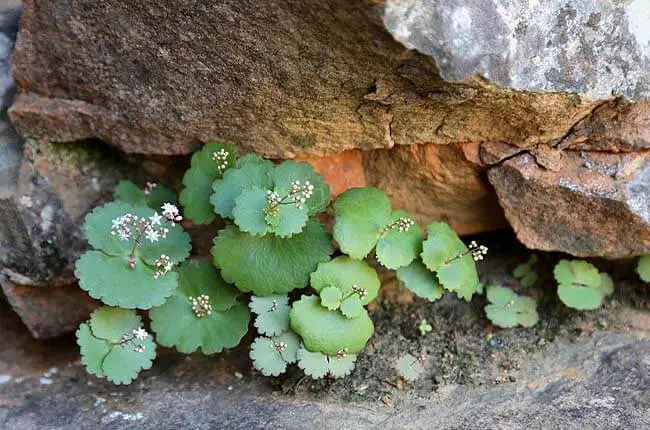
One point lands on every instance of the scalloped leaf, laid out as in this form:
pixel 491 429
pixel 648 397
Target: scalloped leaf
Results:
pixel 352 307
pixel 177 324
pixel 360 216
pixel 409 367
pixel 269 264
pixel 248 212
pixel 328 331
pixel 579 284
pixel 226 190
pixel 271 359
pixel 331 297
pixel 198 179
pixel 287 221
pixel 273 321
pixel 340 367
pixel 111 280
pixel 396 248
pixel 261 305
pixel 460 277
pixel 130 193
pixel 112 357
pixel 343 273
pixel 289 171
pixel 251 158
pixel 419 280
pixel 643 268
pixel 314 364
pixel 508 309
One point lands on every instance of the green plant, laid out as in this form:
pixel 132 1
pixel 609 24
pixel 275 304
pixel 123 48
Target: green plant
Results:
pixel 508 309
pixel 526 273
pixel 272 243
pixel 643 268
pixel 580 285
pixel 424 327
pixel 410 367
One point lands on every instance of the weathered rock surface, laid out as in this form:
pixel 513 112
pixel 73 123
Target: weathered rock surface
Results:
pixel 593 48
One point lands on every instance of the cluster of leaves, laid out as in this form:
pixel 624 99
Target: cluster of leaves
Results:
pixel 272 243
pixel 508 309
pixel 580 285
pixel 526 273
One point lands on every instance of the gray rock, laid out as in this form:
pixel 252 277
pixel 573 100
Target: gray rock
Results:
pixel 590 47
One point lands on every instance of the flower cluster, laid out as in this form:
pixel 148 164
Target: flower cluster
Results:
pixel 342 353
pixel 300 193
pixel 362 292
pixel 172 213
pixel 273 198
pixel 221 158
pixel 201 305
pixel 133 335
pixel 478 251
pixel 149 187
pixel 402 224
pixel 127 226
pixel 280 346
pixel 163 265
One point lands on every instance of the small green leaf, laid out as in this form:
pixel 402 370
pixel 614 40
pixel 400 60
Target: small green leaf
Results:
pixel 345 273
pixel 420 281
pixel 441 246
pixel 288 220
pixel 507 309
pixel 235 181
pixel 581 298
pixel 249 211
pixel 460 277
pixel 397 248
pixel 269 265
pixel 220 324
pixel 529 279
pixel 522 270
pixel 129 193
pixel 341 366
pixel 606 285
pixel 579 284
pixel 643 268
pixel 352 307
pixel 289 171
pixel 360 216
pixel 261 305
pixel 275 320
pixel 314 364
pixel 111 280
pixel 111 346
pixel 205 169
pixel 409 367
pixel 331 297
pixel 328 331
pixel 271 355
pixel 292 342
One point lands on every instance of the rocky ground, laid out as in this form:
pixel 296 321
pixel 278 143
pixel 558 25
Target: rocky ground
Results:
pixel 573 370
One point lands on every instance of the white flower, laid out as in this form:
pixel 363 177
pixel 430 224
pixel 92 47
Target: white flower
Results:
pixel 140 333
pixel 152 235
pixel 171 212
pixel 155 219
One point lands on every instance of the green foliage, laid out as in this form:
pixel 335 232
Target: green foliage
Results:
pixel 329 332
pixel 272 314
pixel 409 367
pixel 347 275
pixel 580 286
pixel 643 268
pixel 207 166
pixel 444 253
pixel 153 197
pixel 269 264
pixel 508 309
pixel 114 345
pixel 398 248
pixel 424 327
pixel 420 281
pixel 122 272
pixel 525 272
pixel 318 365
pixel 202 313
pixel 271 355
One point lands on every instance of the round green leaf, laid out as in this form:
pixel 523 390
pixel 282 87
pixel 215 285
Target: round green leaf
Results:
pixel 341 366
pixel 288 220
pixel 235 181
pixel 577 272
pixel 529 279
pixel 352 307
pixel 331 297
pixel 111 280
pixel 409 367
pixel 292 342
pixel 419 280
pixel 522 270
pixel 248 212
pixel 123 363
pixel 643 268
pixel 396 248
pixel 110 324
pixel 266 357
pixel 198 180
pixel 328 331
pixel 177 324
pixel 98 225
pixel 460 277
pixel 93 350
pixel 130 193
pixel 269 264
pixel 581 298
pixel 274 321
pixel 508 309
pixel 261 305
pixel 360 216
pixel 343 273
pixel 441 246
pixel 289 171
pixel 314 364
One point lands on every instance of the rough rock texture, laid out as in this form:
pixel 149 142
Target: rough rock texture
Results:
pixel 325 81
pixel 598 381
pixel 591 47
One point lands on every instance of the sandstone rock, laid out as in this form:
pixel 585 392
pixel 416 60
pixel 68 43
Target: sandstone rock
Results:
pixel 594 48
pixel 593 205
pixel 48 312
